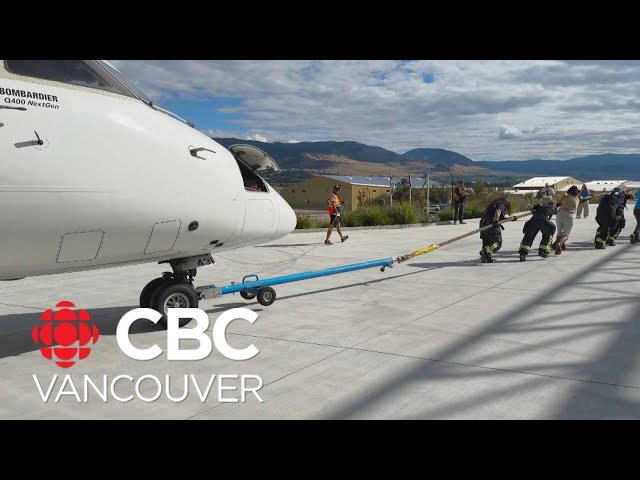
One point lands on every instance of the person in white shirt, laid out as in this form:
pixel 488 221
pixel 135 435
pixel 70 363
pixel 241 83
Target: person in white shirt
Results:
pixel 546 194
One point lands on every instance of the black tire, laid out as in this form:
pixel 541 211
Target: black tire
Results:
pixel 266 296
pixel 149 290
pixel 174 295
pixel 248 294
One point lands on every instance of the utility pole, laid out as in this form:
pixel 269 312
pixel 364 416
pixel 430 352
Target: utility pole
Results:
pixel 390 190
pixel 409 188
pixel 428 209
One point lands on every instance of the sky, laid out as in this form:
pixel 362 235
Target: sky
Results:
pixel 485 110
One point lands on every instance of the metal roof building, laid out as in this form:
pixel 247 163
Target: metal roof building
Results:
pixel 557 183
pixel 599 185
pixel 312 193
pixel 416 182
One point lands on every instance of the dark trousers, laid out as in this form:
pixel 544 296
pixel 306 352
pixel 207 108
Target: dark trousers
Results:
pixel 636 213
pixel 491 238
pixel 617 228
pixel 607 223
pixel 531 228
pixel 458 211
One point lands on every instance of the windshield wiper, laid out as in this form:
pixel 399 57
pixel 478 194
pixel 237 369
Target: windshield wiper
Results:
pixel 171 114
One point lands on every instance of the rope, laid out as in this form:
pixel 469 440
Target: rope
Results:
pixel 591 197
pixel 435 246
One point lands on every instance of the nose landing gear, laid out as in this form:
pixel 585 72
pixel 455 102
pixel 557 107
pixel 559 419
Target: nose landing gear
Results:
pixel 174 290
pixel 170 291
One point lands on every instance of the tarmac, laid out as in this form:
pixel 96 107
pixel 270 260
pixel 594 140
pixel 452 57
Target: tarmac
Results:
pixel 441 336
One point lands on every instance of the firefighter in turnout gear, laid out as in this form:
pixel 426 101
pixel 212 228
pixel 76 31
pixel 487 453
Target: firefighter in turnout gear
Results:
pixel 621 222
pixel 539 222
pixel 610 217
pixel 492 237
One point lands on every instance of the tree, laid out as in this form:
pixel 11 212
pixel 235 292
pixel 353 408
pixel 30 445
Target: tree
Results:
pixel 480 188
pixel 361 198
pixel 401 191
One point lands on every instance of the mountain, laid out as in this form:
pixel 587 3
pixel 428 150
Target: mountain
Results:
pixel 438 155
pixel 591 167
pixel 296 155
pixel 353 158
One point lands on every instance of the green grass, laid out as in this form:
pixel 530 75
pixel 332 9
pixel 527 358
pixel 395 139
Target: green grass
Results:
pixel 402 213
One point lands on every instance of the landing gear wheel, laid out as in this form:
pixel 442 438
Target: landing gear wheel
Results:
pixel 174 295
pixel 266 296
pixel 248 294
pixel 149 290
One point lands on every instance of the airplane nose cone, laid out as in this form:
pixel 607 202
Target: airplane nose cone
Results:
pixel 288 219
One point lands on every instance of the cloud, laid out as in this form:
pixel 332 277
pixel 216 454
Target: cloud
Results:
pixel 257 137
pixel 581 104
pixel 509 131
pixel 293 141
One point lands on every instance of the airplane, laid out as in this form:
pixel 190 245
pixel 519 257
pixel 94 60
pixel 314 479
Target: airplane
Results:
pixel 94 174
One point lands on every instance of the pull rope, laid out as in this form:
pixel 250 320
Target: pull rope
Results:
pixel 435 246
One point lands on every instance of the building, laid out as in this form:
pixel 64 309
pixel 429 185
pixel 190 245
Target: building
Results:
pixel 599 186
pixel 517 192
pixel 557 183
pixel 312 194
pixel 632 185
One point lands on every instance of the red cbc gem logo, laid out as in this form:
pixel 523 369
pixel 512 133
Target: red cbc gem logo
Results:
pixel 73 334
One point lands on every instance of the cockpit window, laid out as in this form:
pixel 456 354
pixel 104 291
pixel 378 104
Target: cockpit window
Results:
pixel 125 81
pixel 85 73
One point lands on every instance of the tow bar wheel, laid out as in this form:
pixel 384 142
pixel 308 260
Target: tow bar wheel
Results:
pixel 248 294
pixel 266 296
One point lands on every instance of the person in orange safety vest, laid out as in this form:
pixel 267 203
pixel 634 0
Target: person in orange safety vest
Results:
pixel 335 205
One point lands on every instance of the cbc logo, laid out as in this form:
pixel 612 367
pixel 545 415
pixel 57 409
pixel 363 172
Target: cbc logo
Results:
pixel 72 332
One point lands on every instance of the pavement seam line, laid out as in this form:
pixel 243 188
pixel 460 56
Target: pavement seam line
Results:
pixel 277 379
pixel 427 359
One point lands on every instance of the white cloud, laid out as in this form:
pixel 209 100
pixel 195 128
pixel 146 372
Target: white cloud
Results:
pixel 293 141
pixel 586 107
pixel 509 131
pixel 257 137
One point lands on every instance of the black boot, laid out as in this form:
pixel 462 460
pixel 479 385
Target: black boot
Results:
pixel 543 254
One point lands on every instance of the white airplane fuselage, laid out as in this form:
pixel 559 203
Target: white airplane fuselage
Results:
pixel 92 179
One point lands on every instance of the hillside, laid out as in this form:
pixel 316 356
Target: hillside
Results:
pixel 353 158
pixel 341 165
pixel 292 155
pixel 591 167
pixel 438 155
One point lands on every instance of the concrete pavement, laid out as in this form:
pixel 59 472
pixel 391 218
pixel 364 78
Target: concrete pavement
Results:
pixel 441 336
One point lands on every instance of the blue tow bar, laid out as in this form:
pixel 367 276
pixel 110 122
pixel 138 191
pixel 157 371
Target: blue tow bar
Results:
pixel 266 296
